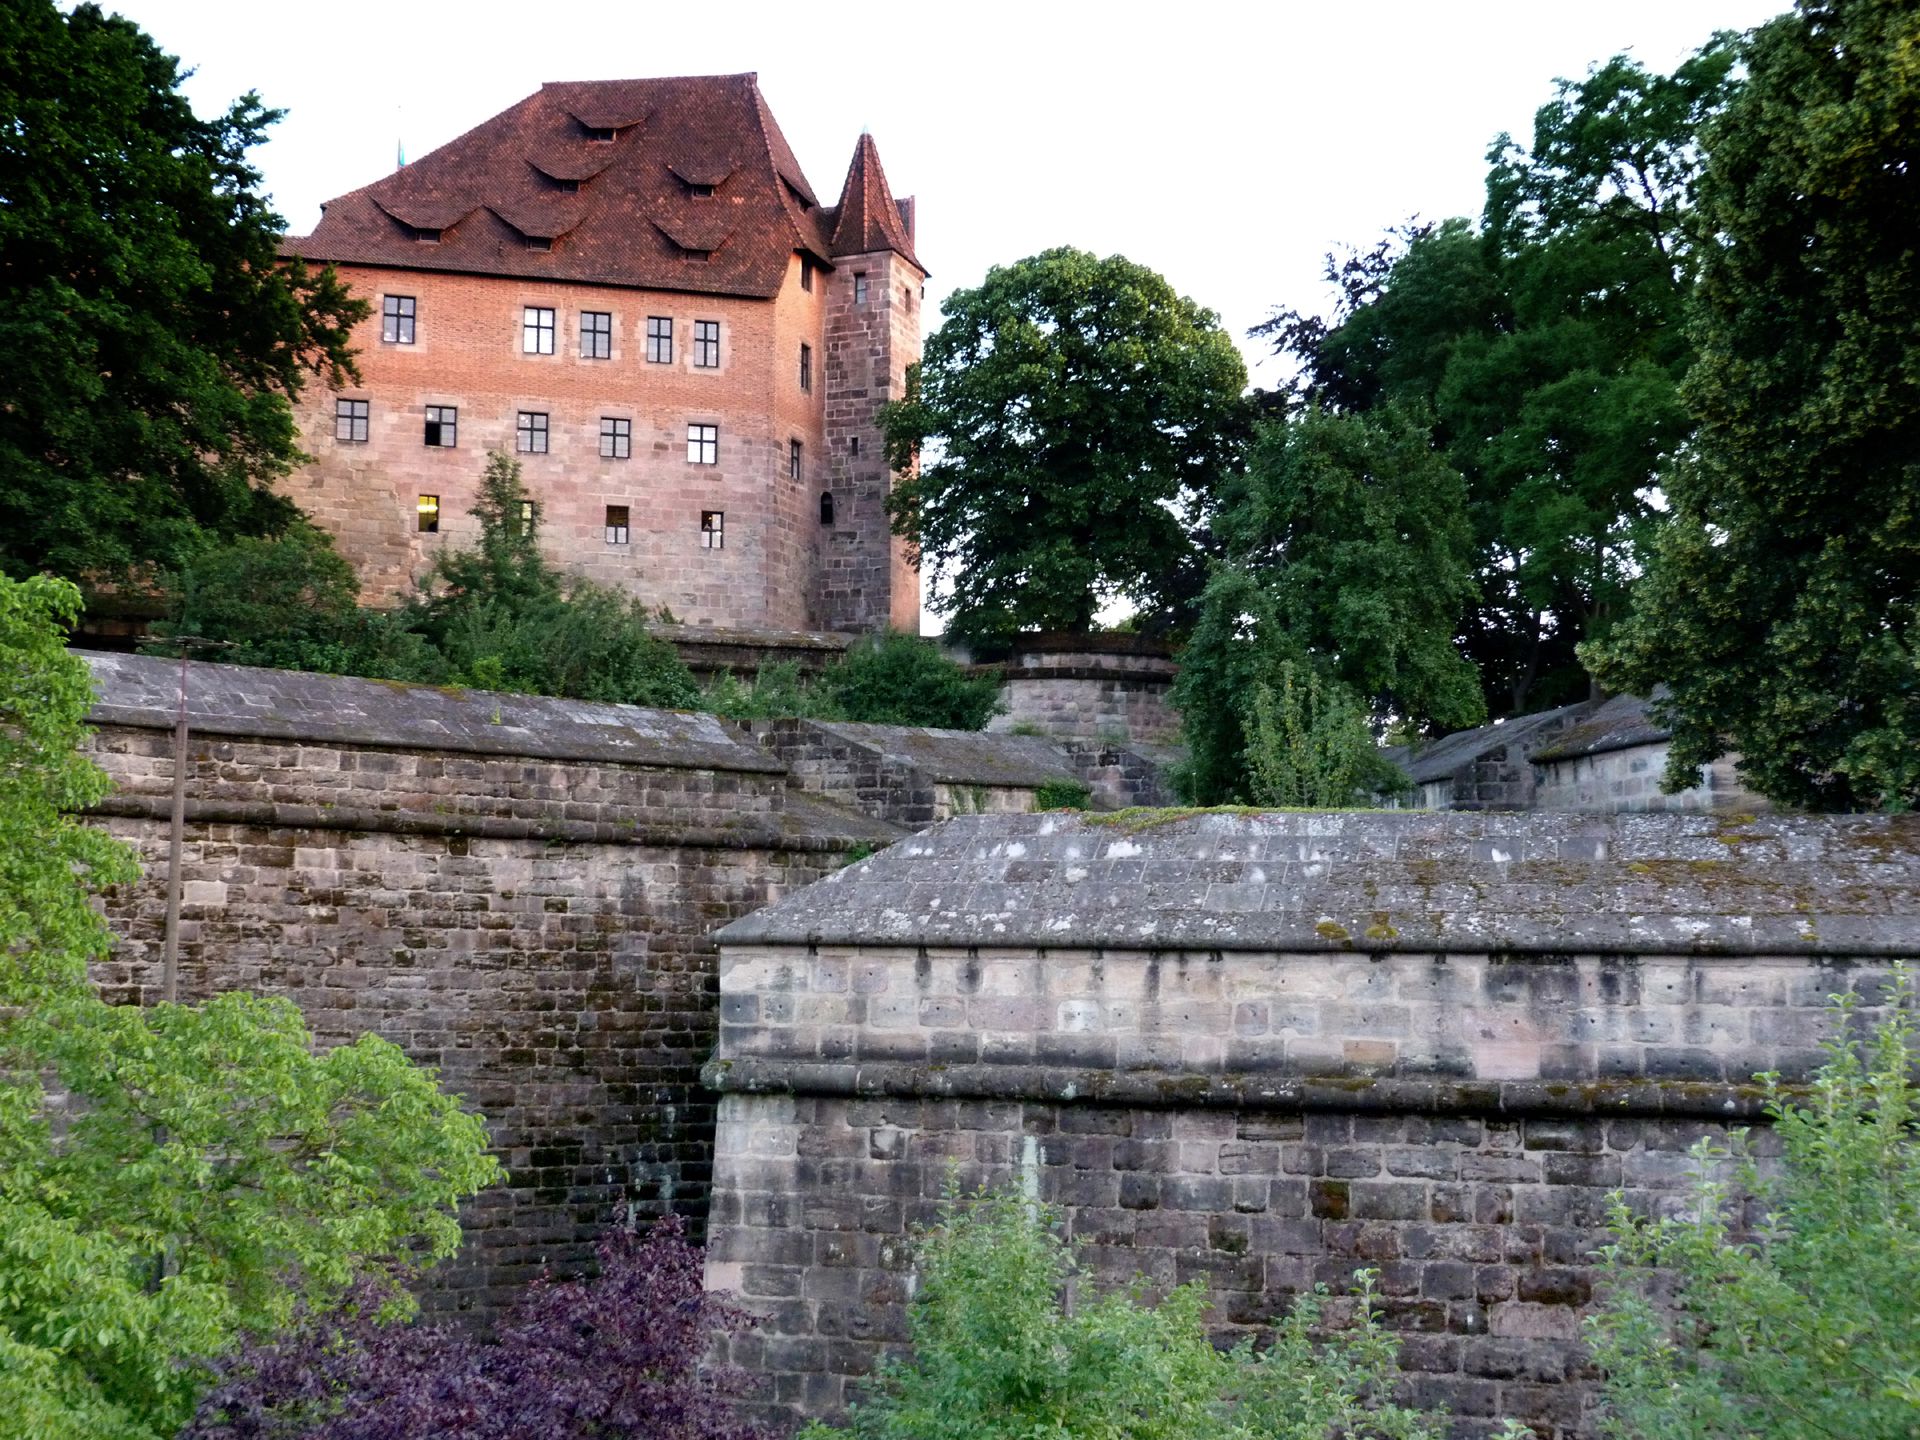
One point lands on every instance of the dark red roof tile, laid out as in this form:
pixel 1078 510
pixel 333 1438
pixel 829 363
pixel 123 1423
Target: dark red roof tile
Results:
pixel 514 178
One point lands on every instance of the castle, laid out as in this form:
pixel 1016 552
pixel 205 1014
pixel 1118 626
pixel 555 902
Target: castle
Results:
pixel 630 287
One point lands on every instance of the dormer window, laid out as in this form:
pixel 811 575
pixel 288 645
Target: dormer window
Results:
pixel 569 186
pixel 700 192
pixel 426 237
pixel 537 242
pixel 603 134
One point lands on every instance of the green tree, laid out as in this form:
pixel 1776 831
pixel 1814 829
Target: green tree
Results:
pixel 1074 411
pixel 1548 346
pixel 172 1176
pixel 150 335
pixel 501 617
pixel 997 1354
pixel 897 679
pixel 1782 603
pixel 1808 1322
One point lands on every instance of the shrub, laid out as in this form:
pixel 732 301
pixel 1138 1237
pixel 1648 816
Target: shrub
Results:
pixel 897 679
pixel 777 692
pixel 615 1357
pixel 1809 1323
pixel 1308 745
pixel 996 1353
pixel 1061 795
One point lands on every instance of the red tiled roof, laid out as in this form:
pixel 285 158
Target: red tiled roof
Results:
pixel 868 218
pixel 634 218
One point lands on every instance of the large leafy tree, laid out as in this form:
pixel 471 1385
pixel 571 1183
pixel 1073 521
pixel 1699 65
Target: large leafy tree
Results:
pixel 1782 605
pixel 150 336
pixel 1548 344
pixel 172 1177
pixel 1073 411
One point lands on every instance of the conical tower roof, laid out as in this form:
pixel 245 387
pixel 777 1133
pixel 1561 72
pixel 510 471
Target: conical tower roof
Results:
pixel 868 218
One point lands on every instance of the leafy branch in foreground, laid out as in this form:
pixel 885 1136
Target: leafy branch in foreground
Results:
pixel 1808 1324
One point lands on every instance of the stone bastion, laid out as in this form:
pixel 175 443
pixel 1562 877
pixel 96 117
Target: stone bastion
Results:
pixel 1263 1051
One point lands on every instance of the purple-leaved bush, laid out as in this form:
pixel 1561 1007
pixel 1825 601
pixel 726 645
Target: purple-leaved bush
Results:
pixel 613 1357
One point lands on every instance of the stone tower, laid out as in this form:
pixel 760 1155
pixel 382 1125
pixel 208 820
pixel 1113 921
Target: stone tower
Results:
pixel 866 579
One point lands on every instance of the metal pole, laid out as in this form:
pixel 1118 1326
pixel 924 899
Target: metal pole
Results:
pixel 170 951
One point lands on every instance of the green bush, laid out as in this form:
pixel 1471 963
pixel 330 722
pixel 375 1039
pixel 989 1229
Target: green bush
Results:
pixel 777 692
pixel 897 679
pixel 997 1354
pixel 1806 1323
pixel 1308 745
pixel 1061 795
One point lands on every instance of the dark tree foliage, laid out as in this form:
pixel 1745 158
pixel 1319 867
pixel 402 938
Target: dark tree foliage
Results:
pixel 150 335
pixel 897 679
pixel 1782 605
pixel 1075 410
pixel 1548 346
pixel 615 1357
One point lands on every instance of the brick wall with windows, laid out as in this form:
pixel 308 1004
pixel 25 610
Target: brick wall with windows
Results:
pixel 614 428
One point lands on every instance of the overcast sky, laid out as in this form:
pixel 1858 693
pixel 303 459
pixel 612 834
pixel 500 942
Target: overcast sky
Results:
pixel 1227 146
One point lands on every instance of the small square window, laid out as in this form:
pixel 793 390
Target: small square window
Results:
pixel 616 438
pixel 659 340
pixel 530 435
pixel 713 530
pixel 396 320
pixel 806 273
pixel 806 367
pixel 536 331
pixel 443 426
pixel 350 421
pixel 859 287
pixel 596 335
pixel 703 444
pixel 616 524
pixel 706 344
pixel 793 459
pixel 428 509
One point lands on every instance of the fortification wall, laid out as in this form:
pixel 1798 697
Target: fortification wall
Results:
pixel 1264 1052
pixel 517 891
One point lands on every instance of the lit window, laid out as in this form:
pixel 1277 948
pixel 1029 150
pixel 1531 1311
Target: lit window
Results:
pixel 859 287
pixel 806 273
pixel 616 524
pixel 428 509
pixel 806 367
pixel 706 344
pixel 703 444
pixel 530 435
pixel 713 530
pixel 350 421
pixel 616 438
pixel 596 335
pixel 396 320
pixel 826 507
pixel 536 331
pixel 443 422
pixel 659 340
pixel 526 517
pixel 793 459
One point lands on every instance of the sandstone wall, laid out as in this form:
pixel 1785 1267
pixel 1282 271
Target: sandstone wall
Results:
pixel 1266 1051
pixel 1629 779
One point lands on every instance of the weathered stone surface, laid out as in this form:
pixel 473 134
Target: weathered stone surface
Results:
pixel 1182 1034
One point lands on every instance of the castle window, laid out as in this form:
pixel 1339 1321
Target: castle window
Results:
pixel 536 331
pixel 426 237
pixel 826 507
pixel 443 425
pixel 659 340
pixel 604 134
pixel 706 344
pixel 530 435
pixel 616 524
pixel 699 192
pixel 859 287
pixel 713 529
pixel 396 320
pixel 350 421
pixel 539 242
pixel 596 335
pixel 616 438
pixel 806 367
pixel 427 509
pixel 703 444
pixel 806 273
pixel 526 517
pixel 853 444
pixel 793 459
